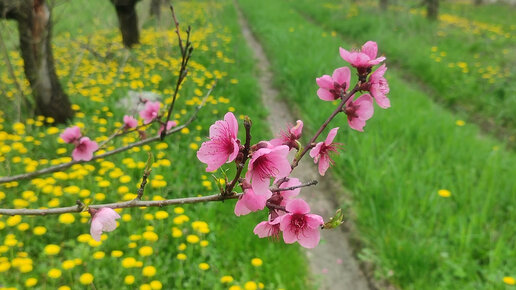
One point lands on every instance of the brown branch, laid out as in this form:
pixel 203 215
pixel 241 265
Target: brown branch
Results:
pixel 186 52
pixel 141 203
pixel 125 204
pixel 245 156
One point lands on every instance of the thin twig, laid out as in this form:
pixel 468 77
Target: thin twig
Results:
pixel 313 182
pixel 146 174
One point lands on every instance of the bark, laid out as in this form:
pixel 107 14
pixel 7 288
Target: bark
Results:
pixel 128 21
pixel 384 4
pixel 478 2
pixel 34 28
pixel 432 9
pixel 155 8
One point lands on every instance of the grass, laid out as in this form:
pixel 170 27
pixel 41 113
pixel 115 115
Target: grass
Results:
pixel 417 239
pixel 464 59
pixel 204 233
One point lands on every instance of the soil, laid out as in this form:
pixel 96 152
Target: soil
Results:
pixel 332 262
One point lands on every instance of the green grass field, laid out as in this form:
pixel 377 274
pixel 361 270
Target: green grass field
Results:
pixel 181 239
pixel 444 77
pixel 418 239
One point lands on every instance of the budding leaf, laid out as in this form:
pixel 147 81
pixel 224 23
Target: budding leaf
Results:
pixel 150 160
pixel 335 221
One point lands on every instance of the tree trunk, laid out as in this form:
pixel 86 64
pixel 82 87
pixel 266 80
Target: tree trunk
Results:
pixel 384 4
pixel 155 8
pixel 128 21
pixel 432 9
pixel 478 2
pixel 34 28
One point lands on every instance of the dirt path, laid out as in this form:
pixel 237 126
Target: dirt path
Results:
pixel 332 262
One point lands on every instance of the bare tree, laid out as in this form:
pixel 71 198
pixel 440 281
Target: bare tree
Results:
pixel 128 21
pixel 35 31
pixel 384 4
pixel 155 8
pixel 432 9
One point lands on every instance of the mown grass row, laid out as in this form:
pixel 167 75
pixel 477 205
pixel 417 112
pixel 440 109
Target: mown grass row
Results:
pixel 395 169
pixel 190 247
pixel 464 58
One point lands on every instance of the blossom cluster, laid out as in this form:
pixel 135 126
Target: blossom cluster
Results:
pixel 269 169
pixel 85 147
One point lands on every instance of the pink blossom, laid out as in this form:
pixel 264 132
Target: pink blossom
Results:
pixel 223 145
pixel 102 220
pixel 365 58
pixel 289 137
pixel 71 135
pixel 170 124
pixel 150 112
pixel 299 225
pixel 266 163
pixel 130 122
pixel 268 228
pixel 359 111
pixel 321 152
pixel 251 201
pixel 332 88
pixel 84 149
pixel 379 87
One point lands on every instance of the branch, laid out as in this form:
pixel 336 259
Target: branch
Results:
pixel 60 167
pixel 245 156
pixel 141 203
pixel 127 204
pixel 186 52
pixel 311 143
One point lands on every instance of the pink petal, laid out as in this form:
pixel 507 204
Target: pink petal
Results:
pixel 331 136
pixel 314 221
pixel 289 236
pixel 96 230
pixel 325 82
pixel 213 154
pixel 241 208
pixel 357 124
pixel 324 164
pixel 342 75
pixel 71 134
pixel 378 73
pixel 345 54
pixel 263 229
pixel 232 124
pixel 325 95
pixel 284 221
pixel 370 48
pixel 316 151
pixel 309 238
pixel 365 107
pixel 376 61
pixel 297 206
pixel 297 129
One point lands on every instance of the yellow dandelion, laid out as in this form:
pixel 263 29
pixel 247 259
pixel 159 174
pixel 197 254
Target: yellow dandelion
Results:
pixel 509 280
pixel 54 273
pixel 460 123
pixel 66 218
pixel 226 279
pixel 145 251
pixel 129 279
pixel 52 249
pixel 181 256
pixel 149 271
pixel 444 193
pixel 204 266
pixel 257 262
pixel 86 279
